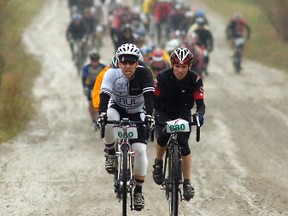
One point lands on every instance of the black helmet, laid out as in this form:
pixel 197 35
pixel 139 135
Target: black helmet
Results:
pixel 94 56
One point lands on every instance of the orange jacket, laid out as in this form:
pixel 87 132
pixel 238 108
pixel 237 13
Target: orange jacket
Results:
pixel 166 56
pixel 97 88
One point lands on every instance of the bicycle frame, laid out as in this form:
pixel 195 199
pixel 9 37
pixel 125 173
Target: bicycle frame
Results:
pixel 124 181
pixel 172 171
pixel 173 174
pixel 237 55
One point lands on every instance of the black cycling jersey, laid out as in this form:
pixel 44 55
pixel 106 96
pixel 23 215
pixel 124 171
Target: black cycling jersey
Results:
pixel 205 38
pixel 76 32
pixel 174 96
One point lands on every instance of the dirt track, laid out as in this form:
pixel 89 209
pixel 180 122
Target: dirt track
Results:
pixel 56 166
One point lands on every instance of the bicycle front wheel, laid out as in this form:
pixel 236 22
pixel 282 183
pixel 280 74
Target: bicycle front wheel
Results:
pixel 174 179
pixel 237 59
pixel 124 178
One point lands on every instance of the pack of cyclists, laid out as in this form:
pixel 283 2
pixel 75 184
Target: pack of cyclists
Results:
pixel 160 56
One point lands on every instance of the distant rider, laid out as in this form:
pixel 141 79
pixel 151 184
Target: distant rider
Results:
pixel 76 31
pixel 238 27
pixel 205 41
pixel 157 63
pixel 89 75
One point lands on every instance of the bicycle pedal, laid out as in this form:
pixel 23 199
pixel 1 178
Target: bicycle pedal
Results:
pixel 138 208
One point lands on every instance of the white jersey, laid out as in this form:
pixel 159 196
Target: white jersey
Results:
pixel 127 94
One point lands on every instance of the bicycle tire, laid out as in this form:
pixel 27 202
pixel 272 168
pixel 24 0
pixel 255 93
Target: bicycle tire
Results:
pixel 175 173
pixel 124 179
pixel 237 58
pixel 197 134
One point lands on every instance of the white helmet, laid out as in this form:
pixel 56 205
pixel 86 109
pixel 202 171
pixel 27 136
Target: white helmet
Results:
pixel 114 62
pixel 172 45
pixel 128 49
pixel 237 15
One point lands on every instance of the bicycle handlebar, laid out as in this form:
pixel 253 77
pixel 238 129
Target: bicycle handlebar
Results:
pixel 195 122
pixel 123 122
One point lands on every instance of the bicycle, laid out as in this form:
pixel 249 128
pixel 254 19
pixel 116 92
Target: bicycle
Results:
pixel 124 181
pixel 237 55
pixel 172 171
pixel 80 54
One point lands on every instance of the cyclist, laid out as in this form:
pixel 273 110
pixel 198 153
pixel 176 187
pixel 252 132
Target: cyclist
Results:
pixel 176 90
pixel 125 35
pixel 146 52
pixel 238 31
pixel 84 4
pixel 147 9
pixel 158 63
pixel 128 89
pixel 201 13
pixel 190 42
pixel 76 31
pixel 98 83
pixel 89 73
pixel 205 41
pixel 238 27
pixel 161 13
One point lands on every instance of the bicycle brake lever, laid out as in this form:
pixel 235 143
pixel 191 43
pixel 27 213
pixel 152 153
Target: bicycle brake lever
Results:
pixel 197 121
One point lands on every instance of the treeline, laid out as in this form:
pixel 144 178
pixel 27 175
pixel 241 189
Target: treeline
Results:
pixel 276 12
pixel 17 68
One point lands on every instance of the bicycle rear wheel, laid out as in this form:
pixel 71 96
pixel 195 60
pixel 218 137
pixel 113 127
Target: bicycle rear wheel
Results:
pixel 174 179
pixel 237 59
pixel 124 178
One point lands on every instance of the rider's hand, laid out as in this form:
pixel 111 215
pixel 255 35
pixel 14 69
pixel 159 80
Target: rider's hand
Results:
pixel 150 121
pixel 101 119
pixel 200 117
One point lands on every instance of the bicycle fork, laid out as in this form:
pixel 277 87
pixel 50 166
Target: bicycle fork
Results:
pixel 118 182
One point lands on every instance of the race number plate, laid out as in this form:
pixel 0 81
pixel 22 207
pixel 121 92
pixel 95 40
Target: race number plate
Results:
pixel 119 133
pixel 239 41
pixel 177 125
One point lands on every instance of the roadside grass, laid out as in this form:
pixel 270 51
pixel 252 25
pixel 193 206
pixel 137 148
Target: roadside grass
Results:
pixel 19 69
pixel 265 45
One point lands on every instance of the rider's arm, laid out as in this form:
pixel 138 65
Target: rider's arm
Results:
pixel 148 91
pixel 85 74
pixel 210 42
pixel 199 96
pixel 229 33
pixel 107 88
pixel 97 88
pixel 149 102
pixel 104 99
pixel 200 106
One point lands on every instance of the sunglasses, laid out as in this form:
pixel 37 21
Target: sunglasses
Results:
pixel 128 62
